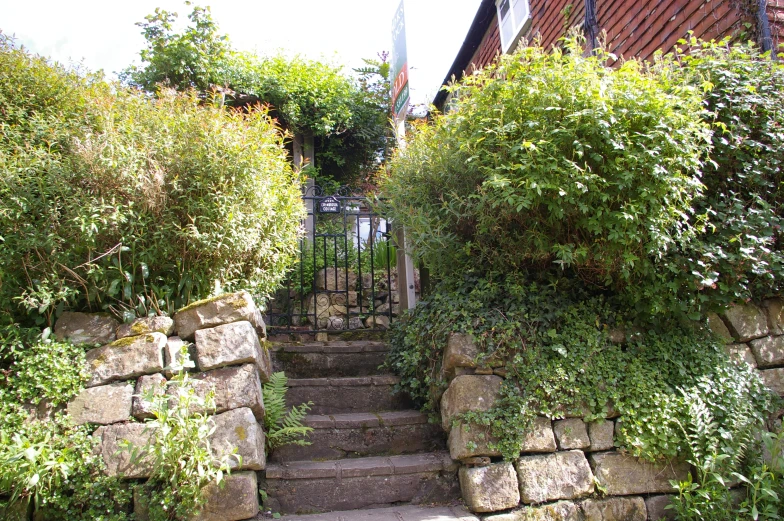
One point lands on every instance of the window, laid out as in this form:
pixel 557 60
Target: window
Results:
pixel 513 20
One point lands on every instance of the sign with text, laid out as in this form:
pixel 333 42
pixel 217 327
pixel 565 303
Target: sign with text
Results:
pixel 399 70
pixel 329 205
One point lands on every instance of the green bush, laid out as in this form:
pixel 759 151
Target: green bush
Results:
pixel 554 159
pixel 112 200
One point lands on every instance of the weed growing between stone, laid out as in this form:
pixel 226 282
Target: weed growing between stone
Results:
pixel 283 426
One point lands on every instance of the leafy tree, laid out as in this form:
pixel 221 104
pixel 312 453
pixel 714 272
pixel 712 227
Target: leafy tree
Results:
pixel 191 59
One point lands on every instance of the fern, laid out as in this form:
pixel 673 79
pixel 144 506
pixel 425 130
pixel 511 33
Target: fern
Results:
pixel 283 426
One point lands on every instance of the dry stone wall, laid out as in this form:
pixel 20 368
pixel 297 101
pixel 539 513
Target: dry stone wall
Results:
pixel 569 470
pixel 227 341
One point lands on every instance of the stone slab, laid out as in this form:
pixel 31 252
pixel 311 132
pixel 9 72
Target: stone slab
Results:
pixel 154 383
pixel 540 437
pixel 601 435
pixel 741 354
pixel 117 459
pixel 469 393
pixel 126 358
pixel 86 328
pixel 560 511
pixel 232 344
pixel 347 395
pixel 102 405
pixel 333 364
pixel 718 327
pixel 657 508
pixel 145 325
pixel 468 441
pixel 622 475
pixel 237 499
pixel 774 379
pixel 216 311
pixel 238 432
pixel 746 322
pixel 397 513
pixel 615 509
pixel 768 351
pixel 491 488
pixel 460 351
pixel 550 477
pixel 571 433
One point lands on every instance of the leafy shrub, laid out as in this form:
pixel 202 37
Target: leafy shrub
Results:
pixel 282 425
pixel 554 337
pixel 113 200
pixel 552 157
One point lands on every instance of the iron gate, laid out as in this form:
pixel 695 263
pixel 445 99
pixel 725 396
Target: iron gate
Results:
pixel 345 279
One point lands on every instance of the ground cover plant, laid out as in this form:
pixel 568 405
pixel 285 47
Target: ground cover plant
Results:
pixel 564 205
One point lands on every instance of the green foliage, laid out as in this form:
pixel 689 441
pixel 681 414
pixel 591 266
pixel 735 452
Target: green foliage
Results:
pixel 347 116
pixel 552 159
pixel 283 426
pixel 553 337
pixel 179 454
pixel 741 254
pixel 49 462
pixel 190 59
pixel 112 200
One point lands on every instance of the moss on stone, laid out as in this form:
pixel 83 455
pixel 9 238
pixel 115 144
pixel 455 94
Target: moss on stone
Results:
pixel 235 300
pixel 130 340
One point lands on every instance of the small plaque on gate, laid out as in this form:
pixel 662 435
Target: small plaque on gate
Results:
pixel 329 205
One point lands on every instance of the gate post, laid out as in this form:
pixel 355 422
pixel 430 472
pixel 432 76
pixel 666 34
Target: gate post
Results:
pixel 405 271
pixel 304 154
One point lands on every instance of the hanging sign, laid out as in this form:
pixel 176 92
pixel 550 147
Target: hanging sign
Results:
pixel 399 70
pixel 329 205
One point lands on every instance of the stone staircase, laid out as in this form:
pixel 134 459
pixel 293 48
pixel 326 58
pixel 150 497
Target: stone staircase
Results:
pixel 370 449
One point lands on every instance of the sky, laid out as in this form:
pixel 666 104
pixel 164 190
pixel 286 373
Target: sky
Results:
pixel 101 34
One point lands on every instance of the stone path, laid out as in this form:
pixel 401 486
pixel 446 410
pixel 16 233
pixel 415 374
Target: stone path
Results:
pixel 370 449
pixel 404 513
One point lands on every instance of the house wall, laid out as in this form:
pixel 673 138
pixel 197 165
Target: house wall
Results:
pixel 490 46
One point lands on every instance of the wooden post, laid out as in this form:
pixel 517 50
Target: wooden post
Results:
pixel 302 150
pixel 405 272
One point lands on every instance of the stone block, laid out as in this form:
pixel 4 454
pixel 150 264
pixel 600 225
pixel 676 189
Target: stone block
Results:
pixel 234 387
pixel 86 328
pixel 718 327
pixel 118 459
pixel 657 508
pixel 624 475
pixel 141 503
pixel 103 405
pixel 126 358
pixel 335 279
pixel 746 322
pixel 615 509
pixel 540 437
pixel 20 510
pixel 377 322
pixel 232 344
pixel 768 351
pixel 460 351
pixel 571 434
pixel 774 379
pixel 334 323
pixel 236 500
pixel 154 383
pixel 238 429
pixel 468 393
pixel 601 435
pixel 216 311
pixel 549 477
pixel 560 511
pixel 145 325
pixel 355 323
pixel 491 488
pixel 775 310
pixel 741 354
pixel 467 441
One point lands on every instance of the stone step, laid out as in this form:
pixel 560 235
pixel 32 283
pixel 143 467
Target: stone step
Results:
pixel 365 434
pixel 347 395
pixel 374 482
pixel 399 513
pixel 329 359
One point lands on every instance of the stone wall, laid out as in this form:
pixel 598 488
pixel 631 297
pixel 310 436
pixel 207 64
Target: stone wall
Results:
pixel 226 339
pixel 569 469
